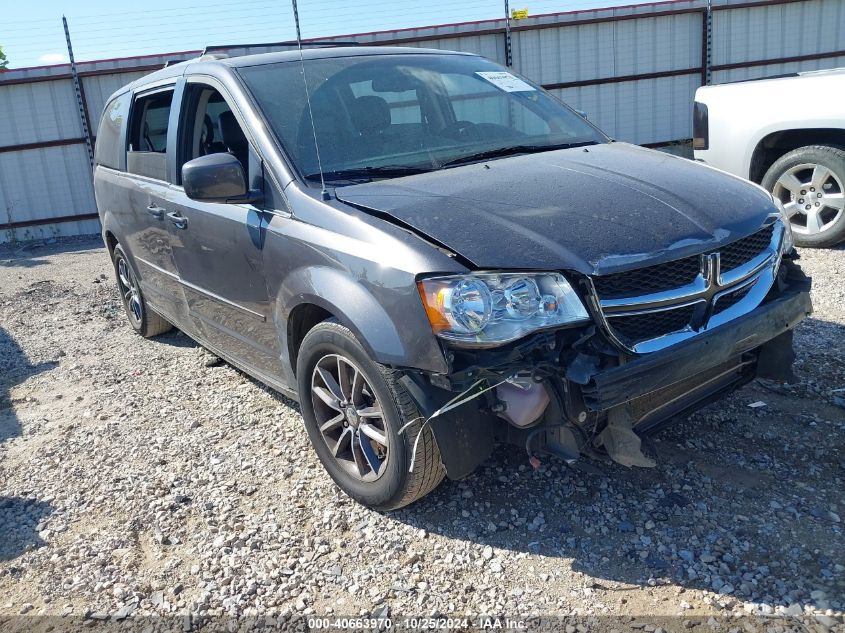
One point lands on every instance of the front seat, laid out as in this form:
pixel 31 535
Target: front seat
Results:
pixel 234 138
pixel 371 118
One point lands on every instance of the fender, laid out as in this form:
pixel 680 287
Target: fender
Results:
pixel 109 225
pixel 781 126
pixel 354 305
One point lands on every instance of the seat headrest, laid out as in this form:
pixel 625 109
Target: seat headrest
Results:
pixel 233 136
pixel 208 129
pixel 370 114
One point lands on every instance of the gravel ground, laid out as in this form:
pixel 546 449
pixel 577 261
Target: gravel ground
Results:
pixel 140 477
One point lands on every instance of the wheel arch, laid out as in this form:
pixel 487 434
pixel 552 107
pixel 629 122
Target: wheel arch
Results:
pixel 110 232
pixel 311 295
pixel 775 144
pixel 110 240
pixel 302 320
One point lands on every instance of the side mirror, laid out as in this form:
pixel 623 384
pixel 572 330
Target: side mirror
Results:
pixel 217 178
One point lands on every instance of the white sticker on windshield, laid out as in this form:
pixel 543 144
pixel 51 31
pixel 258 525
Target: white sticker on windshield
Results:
pixel 505 81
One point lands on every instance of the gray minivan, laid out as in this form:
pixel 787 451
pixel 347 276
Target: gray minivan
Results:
pixel 432 254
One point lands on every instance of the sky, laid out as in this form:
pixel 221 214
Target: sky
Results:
pixel 31 32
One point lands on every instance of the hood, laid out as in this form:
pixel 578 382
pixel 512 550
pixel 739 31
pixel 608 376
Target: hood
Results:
pixel 595 209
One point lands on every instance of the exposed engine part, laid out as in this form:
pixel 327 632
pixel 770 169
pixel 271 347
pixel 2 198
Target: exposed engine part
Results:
pixel 525 401
pixel 552 440
pixel 561 442
pixel 620 441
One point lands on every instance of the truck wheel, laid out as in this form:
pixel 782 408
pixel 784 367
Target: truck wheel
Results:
pixel 353 409
pixel 810 183
pixel 143 320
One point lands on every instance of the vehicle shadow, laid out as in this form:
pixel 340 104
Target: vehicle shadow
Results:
pixel 733 506
pixel 176 338
pixel 23 262
pixel 15 369
pixel 20 518
pixel 33 254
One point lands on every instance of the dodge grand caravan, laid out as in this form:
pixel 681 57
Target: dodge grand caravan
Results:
pixel 433 254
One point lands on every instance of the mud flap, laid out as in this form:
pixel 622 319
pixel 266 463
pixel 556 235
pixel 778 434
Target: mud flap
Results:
pixel 620 441
pixel 465 436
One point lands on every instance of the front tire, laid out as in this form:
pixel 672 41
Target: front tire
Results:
pixel 353 409
pixel 141 317
pixel 810 183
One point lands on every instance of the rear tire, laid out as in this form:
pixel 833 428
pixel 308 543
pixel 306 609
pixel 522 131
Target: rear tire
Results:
pixel 810 183
pixel 376 475
pixel 142 318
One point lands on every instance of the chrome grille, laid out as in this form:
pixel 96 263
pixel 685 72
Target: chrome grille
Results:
pixel 737 253
pixel 640 327
pixel 730 299
pixel 650 308
pixel 647 280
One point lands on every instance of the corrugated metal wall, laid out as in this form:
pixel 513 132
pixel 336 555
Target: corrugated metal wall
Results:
pixel 45 174
pixel 634 70
pixel 745 37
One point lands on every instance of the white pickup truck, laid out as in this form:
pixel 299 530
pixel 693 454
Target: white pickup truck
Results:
pixel 787 134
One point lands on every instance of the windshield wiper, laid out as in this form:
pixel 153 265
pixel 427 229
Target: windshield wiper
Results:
pixel 512 150
pixel 369 173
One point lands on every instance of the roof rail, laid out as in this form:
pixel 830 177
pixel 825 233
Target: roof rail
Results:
pixel 173 62
pixel 293 44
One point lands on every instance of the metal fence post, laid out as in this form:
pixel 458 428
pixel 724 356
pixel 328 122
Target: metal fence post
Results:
pixel 508 50
pixel 708 43
pixel 80 99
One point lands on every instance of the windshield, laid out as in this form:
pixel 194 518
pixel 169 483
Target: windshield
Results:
pixel 383 116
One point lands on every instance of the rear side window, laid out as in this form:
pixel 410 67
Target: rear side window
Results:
pixel 109 148
pixel 147 152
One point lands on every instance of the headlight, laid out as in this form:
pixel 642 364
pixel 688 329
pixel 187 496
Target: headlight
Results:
pixel 788 239
pixel 494 308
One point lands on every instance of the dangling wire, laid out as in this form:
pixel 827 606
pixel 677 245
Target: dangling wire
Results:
pixel 461 398
pixel 324 192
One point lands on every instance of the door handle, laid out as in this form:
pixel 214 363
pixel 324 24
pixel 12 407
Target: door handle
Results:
pixel 179 221
pixel 156 212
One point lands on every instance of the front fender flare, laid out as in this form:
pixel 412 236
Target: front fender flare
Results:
pixel 355 306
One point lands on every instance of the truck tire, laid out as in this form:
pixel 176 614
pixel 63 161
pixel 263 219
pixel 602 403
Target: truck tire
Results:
pixel 810 183
pixel 142 318
pixel 353 409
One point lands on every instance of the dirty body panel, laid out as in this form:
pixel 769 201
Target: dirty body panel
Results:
pixel 595 210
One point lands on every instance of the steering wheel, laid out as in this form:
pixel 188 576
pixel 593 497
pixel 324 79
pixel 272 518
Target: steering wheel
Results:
pixel 462 130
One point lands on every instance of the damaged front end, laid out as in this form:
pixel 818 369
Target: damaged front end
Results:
pixel 594 389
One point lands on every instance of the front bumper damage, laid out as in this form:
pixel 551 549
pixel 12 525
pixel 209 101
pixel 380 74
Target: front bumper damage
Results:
pixel 770 325
pixel 599 395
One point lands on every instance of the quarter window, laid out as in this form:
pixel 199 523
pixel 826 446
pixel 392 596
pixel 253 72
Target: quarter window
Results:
pixel 109 149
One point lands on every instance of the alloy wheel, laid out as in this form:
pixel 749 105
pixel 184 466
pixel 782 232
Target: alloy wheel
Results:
pixel 812 195
pixel 350 417
pixel 129 292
